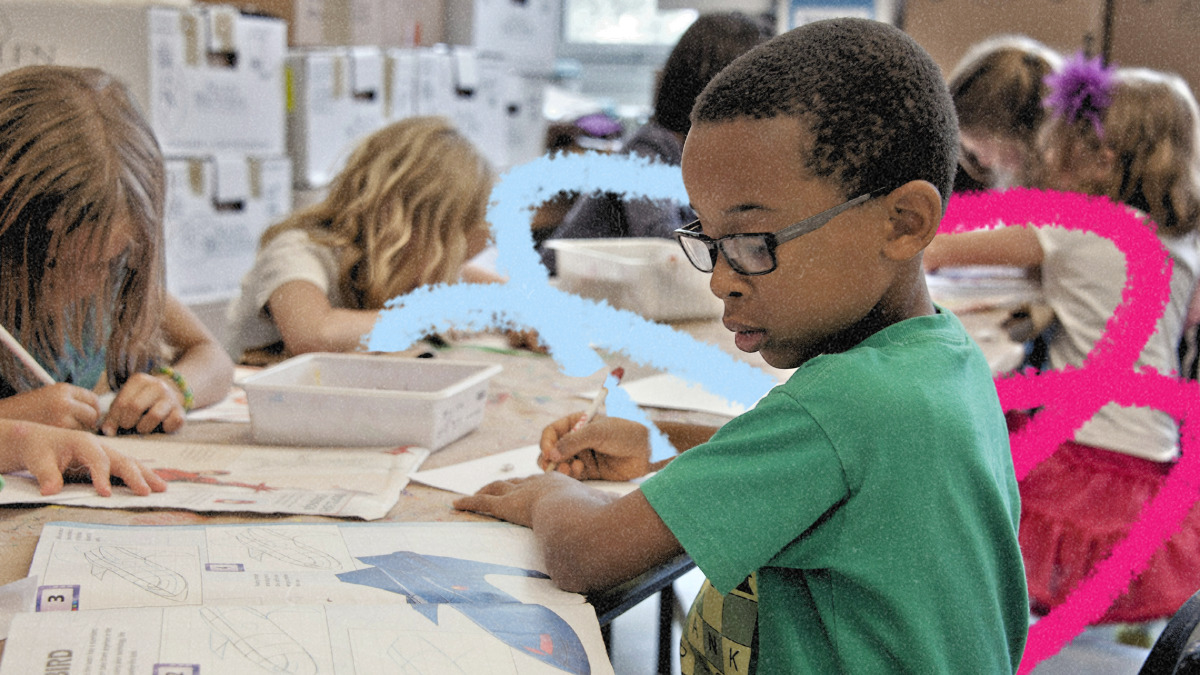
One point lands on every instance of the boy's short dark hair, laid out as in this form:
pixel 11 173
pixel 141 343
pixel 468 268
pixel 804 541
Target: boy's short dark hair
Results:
pixel 873 99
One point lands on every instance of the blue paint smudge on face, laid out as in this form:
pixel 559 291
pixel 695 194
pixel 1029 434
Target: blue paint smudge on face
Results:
pixel 572 327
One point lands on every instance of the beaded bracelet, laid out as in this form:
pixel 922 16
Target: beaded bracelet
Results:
pixel 188 399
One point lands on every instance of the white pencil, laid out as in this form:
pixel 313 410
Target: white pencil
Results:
pixel 24 356
pixel 592 411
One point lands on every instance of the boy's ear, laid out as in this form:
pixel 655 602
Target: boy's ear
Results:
pixel 914 212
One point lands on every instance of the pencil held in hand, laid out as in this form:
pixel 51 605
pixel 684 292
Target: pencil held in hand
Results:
pixel 593 410
pixel 24 357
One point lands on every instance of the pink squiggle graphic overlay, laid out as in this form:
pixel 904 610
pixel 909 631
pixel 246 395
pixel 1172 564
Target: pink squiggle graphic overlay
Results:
pixel 1072 395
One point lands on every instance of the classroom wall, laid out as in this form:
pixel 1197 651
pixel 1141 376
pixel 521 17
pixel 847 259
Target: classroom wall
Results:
pixel 1158 34
pixel 947 28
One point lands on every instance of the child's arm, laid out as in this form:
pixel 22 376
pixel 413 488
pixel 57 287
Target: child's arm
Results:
pixel 57 405
pixel 474 274
pixel 200 358
pixel 308 323
pixel 590 539
pixel 1016 246
pixel 49 451
pixel 611 448
pixel 147 401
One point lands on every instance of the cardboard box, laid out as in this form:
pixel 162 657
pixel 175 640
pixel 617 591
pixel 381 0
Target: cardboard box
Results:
pixel 436 81
pixel 361 399
pixel 336 98
pixel 525 97
pixel 209 79
pixel 217 207
pixel 400 83
pixel 948 28
pixel 329 23
pixel 647 275
pixel 524 32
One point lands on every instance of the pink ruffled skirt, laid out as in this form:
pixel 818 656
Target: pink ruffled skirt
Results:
pixel 1075 506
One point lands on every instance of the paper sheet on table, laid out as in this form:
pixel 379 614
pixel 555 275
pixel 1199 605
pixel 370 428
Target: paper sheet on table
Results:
pixel 16 598
pixel 380 597
pixel 311 639
pixel 468 477
pixel 974 288
pixel 668 391
pixel 351 483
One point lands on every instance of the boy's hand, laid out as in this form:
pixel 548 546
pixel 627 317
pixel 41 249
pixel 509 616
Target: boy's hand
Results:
pixel 49 452
pixel 145 403
pixel 607 448
pixel 513 500
pixel 57 405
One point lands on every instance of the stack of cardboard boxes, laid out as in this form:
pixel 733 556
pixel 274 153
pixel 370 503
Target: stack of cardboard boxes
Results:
pixel 256 104
pixel 210 80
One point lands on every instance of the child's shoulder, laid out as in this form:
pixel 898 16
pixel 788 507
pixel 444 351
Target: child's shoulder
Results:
pixel 919 344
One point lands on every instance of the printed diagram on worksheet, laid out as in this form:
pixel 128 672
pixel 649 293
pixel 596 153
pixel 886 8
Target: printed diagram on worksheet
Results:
pixel 303 598
pixel 300 640
pixel 354 483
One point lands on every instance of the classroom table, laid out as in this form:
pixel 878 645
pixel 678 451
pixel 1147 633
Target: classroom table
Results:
pixel 523 398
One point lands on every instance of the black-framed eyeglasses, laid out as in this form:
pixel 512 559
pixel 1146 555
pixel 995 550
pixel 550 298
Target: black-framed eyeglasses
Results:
pixel 754 253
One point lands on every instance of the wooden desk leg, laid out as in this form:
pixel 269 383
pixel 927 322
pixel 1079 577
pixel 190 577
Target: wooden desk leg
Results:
pixel 666 619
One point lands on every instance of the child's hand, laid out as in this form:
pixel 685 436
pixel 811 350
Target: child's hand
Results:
pixel 607 448
pixel 57 405
pixel 145 403
pixel 513 500
pixel 48 452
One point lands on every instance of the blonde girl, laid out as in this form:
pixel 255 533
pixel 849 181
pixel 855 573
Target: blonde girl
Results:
pixel 81 202
pixel 407 210
pixel 1129 135
pixel 998 88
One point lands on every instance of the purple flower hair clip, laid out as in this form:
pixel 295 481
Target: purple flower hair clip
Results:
pixel 1081 90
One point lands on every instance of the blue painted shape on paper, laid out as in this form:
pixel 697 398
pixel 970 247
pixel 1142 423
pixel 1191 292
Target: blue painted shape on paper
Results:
pixel 429 581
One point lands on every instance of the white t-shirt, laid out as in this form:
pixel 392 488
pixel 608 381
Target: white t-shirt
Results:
pixel 1083 275
pixel 290 256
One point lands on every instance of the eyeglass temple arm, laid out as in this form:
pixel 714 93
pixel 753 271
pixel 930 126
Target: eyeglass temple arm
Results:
pixel 809 224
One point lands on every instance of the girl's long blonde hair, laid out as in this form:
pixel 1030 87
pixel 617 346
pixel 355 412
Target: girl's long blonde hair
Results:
pixel 402 213
pixel 1150 128
pixel 80 172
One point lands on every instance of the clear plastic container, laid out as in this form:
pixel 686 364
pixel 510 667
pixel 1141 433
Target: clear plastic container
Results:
pixel 367 399
pixel 647 275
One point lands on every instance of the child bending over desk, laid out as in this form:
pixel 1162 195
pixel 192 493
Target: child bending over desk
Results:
pixel 1129 135
pixel 408 210
pixel 997 90
pixel 81 205
pixel 862 517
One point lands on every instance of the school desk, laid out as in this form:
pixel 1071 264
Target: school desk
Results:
pixel 523 398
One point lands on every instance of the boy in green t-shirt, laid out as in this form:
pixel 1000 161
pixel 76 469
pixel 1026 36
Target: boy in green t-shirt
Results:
pixel 863 516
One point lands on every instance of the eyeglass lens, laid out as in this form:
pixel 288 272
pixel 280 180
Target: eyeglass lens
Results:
pixel 746 254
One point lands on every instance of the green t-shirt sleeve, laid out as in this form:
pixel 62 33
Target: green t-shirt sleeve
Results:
pixel 711 497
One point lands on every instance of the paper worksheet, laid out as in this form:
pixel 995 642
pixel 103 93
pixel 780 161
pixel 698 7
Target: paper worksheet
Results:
pixel 674 393
pixel 310 640
pixel 351 483
pixel 301 598
pixel 468 477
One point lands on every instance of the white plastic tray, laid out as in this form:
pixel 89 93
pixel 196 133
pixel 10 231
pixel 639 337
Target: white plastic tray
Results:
pixel 360 400
pixel 647 275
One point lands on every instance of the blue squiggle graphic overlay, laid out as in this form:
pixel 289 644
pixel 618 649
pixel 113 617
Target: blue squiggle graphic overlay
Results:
pixel 572 327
